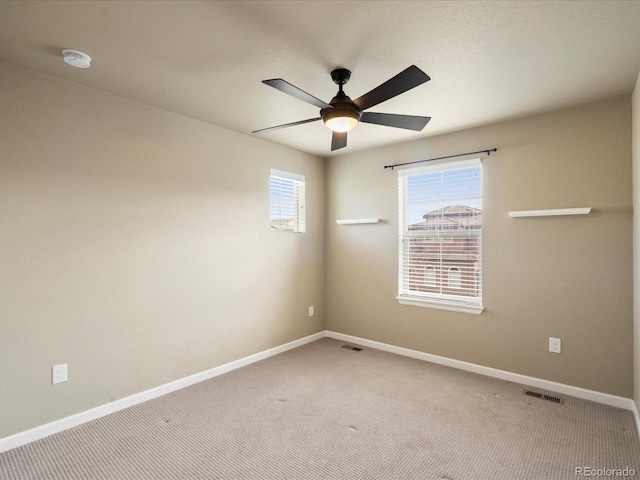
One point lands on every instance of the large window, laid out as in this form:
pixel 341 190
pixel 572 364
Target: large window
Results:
pixel 441 236
pixel 287 202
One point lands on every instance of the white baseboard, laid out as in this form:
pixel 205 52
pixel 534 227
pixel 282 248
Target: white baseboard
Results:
pixel 635 414
pixel 605 398
pixel 36 433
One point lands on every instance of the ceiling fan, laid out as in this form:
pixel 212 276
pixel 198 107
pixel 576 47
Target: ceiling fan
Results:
pixel 342 114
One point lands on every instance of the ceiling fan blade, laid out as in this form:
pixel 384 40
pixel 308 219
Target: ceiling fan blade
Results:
pixel 338 140
pixel 405 80
pixel 286 87
pixel 408 122
pixel 292 124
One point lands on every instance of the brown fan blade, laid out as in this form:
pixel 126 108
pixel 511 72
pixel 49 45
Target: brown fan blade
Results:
pixel 338 140
pixel 289 89
pixel 408 122
pixel 405 80
pixel 293 124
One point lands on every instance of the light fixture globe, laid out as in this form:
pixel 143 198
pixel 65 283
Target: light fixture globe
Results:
pixel 341 120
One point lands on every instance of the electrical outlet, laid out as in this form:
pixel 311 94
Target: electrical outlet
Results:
pixel 311 311
pixel 555 345
pixel 59 373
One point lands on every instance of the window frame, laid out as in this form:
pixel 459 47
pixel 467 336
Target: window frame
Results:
pixel 440 300
pixel 297 203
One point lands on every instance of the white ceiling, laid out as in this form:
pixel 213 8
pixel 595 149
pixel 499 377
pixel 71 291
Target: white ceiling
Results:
pixel 488 61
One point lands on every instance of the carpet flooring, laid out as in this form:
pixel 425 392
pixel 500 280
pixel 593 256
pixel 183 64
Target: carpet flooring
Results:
pixel 323 411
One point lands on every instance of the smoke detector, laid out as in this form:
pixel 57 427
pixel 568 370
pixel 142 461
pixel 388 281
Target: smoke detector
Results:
pixel 76 59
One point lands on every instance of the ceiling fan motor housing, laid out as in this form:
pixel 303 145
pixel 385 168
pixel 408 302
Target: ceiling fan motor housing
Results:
pixel 341 104
pixel 341 107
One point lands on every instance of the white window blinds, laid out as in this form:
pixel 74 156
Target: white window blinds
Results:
pixel 440 207
pixel 287 202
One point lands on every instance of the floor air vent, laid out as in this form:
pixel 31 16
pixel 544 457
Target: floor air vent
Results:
pixel 549 398
pixel 533 394
pixel 553 399
pixel 352 347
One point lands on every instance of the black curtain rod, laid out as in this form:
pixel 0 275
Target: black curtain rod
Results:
pixel 488 152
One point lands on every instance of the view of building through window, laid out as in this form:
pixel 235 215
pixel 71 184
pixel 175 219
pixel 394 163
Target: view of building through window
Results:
pixel 441 241
pixel 444 260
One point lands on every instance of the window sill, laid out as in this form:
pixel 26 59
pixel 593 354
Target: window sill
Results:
pixel 454 307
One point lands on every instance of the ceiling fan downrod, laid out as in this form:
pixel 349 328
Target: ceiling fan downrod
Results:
pixel 342 115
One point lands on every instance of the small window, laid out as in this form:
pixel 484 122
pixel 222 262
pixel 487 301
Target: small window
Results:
pixel 430 277
pixel 455 278
pixel 440 257
pixel 287 202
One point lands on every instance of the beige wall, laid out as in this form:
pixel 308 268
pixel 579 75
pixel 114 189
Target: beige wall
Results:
pixel 135 246
pixel 636 241
pixel 567 277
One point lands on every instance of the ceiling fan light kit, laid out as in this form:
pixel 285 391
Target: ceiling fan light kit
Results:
pixel 342 114
pixel 341 121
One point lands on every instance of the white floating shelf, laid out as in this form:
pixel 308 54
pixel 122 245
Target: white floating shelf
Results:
pixel 357 221
pixel 550 213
